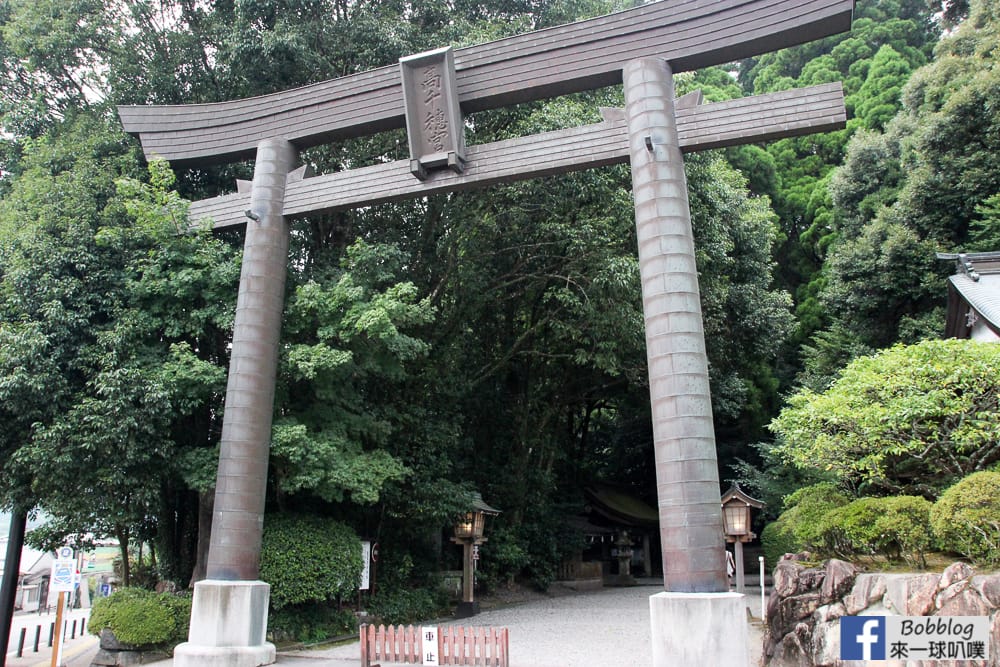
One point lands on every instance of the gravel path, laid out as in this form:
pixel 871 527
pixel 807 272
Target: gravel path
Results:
pixel 606 627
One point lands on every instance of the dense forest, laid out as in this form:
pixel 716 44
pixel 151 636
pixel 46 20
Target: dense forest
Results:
pixel 487 341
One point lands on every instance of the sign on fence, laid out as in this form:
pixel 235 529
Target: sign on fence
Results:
pixel 429 641
pixel 451 645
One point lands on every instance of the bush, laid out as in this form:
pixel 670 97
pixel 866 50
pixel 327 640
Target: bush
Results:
pixel 407 605
pixel 797 528
pixel 142 618
pixel 777 540
pixel 966 518
pixel 312 622
pixel 893 528
pixel 308 559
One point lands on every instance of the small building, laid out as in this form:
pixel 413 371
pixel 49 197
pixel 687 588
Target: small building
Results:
pixel 33 577
pixel 974 296
pixel 621 539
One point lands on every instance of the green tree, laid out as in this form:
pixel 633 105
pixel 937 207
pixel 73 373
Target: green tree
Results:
pixel 888 39
pixel 115 324
pixel 922 185
pixel 910 419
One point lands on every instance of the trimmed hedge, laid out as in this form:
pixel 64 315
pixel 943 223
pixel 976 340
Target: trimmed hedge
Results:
pixel 142 618
pixel 308 559
pixel 966 518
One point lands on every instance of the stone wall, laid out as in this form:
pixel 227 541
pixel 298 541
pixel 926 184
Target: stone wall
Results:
pixel 803 612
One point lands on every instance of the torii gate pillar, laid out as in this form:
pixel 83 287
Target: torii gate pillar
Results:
pixel 229 610
pixel 696 621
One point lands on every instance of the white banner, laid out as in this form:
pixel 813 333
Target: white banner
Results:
pixel 366 568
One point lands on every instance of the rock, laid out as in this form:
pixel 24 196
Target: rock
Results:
pixel 786 578
pixel 793 649
pixel 104 657
pixel 988 587
pixel 911 595
pixel 830 613
pixel 838 579
pixel 954 573
pixel 113 652
pixel 867 589
pixel 804 627
pixel 959 599
pixel 792 610
pixel 811 580
pixel 826 643
pixel 111 643
pixel 995 636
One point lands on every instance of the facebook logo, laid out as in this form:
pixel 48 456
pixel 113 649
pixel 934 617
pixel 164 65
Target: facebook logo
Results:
pixel 862 638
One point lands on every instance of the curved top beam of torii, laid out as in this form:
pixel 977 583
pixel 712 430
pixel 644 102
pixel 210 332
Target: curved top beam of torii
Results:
pixel 589 54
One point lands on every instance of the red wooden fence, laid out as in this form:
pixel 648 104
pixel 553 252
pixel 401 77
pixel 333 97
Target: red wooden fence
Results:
pixel 477 646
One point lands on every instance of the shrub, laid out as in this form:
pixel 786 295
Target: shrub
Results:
pixel 966 518
pixel 893 528
pixel 142 618
pixel 797 528
pixel 310 622
pixel 777 539
pixel 308 559
pixel 407 605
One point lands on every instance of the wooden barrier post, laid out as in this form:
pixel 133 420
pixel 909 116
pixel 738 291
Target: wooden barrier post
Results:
pixel 57 646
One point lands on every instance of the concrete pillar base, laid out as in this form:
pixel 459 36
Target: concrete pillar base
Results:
pixel 695 629
pixel 228 626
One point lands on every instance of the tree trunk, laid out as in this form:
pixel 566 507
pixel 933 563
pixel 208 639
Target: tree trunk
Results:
pixel 121 532
pixel 206 505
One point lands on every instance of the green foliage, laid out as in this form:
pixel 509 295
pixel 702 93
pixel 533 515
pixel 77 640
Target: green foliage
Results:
pixel 888 40
pixel 777 540
pixel 892 528
pixel 966 518
pixel 407 605
pixel 142 618
pixel 799 525
pixel 922 185
pixel 310 622
pixel 877 101
pixel 308 559
pixel 908 419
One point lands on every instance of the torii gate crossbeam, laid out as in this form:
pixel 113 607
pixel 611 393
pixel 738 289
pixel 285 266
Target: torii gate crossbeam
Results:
pixel 690 34
pixel 743 120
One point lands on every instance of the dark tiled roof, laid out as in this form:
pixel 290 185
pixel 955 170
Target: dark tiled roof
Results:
pixel 977 282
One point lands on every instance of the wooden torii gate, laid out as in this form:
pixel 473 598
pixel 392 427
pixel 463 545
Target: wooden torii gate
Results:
pixel 429 93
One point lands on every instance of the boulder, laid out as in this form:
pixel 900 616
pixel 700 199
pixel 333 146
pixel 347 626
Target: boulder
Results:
pixel 911 595
pixel 793 649
pixel 955 573
pixel 837 580
pixel 960 599
pixel 867 589
pixel 989 588
pixel 786 578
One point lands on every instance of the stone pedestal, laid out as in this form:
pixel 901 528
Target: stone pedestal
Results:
pixel 228 626
pixel 467 609
pixel 692 629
